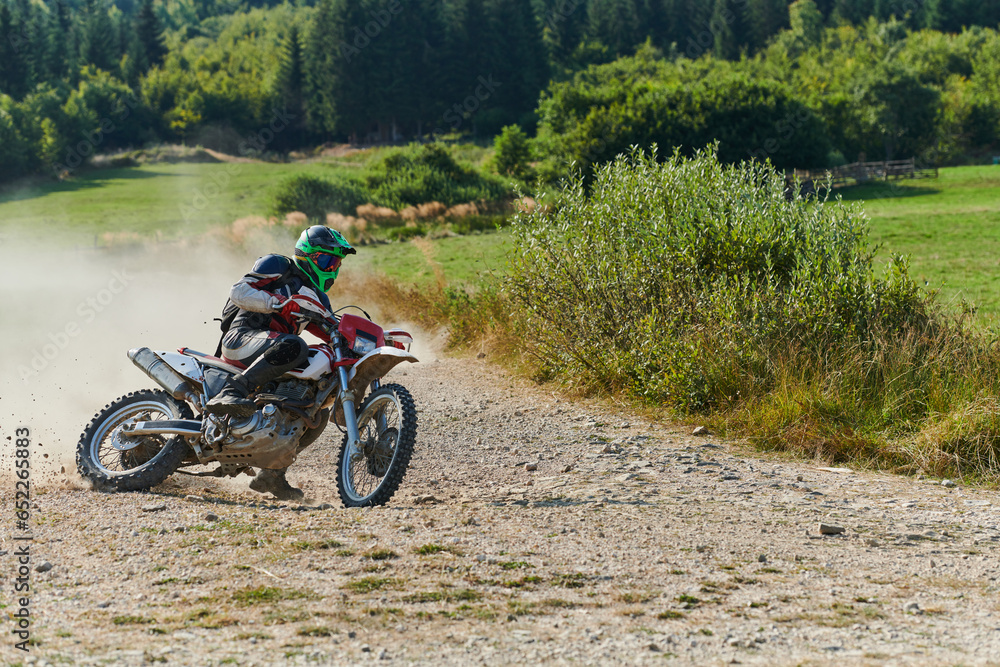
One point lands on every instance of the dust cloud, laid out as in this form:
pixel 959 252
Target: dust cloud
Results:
pixel 68 317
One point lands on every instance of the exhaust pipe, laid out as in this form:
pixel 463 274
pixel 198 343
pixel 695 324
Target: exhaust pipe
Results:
pixel 173 382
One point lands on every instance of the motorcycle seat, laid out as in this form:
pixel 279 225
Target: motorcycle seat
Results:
pixel 215 362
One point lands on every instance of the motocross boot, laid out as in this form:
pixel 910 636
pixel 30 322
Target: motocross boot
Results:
pixel 274 482
pixel 232 400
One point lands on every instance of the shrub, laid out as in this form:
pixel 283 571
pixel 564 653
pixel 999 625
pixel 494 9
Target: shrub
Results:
pixel 316 196
pixel 428 173
pixel 513 154
pixel 677 282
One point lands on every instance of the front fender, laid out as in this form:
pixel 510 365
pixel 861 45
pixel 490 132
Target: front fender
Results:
pixel 376 364
pixel 368 368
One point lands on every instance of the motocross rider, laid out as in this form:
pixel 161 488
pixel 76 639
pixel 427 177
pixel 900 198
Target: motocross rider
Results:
pixel 261 330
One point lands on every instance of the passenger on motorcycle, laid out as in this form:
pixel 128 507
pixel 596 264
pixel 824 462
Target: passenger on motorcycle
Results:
pixel 263 333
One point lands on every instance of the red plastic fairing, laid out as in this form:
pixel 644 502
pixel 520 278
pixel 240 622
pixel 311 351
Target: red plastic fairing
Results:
pixel 399 339
pixel 351 324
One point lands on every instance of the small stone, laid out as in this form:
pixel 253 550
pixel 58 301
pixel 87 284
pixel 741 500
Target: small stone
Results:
pixel 872 542
pixel 211 517
pixel 481 355
pixel 163 531
pixel 426 500
pixel 530 466
pixel 44 567
pixel 700 430
pixel 511 618
pixel 762 558
pixel 479 441
pixel 153 508
pixel 384 654
pixel 653 647
pixel 324 506
pixel 948 484
pixel 911 607
pixel 827 529
pixel 567 468
pixel 193 498
pixel 365 648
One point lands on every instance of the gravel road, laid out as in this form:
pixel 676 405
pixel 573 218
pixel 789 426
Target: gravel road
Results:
pixel 530 529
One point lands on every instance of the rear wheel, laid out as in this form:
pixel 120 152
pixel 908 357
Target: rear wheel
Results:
pixel 387 425
pixel 113 461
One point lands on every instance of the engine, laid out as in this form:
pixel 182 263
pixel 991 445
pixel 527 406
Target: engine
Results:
pixel 266 439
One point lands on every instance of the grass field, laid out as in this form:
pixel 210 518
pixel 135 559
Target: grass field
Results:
pixel 947 225
pixel 950 228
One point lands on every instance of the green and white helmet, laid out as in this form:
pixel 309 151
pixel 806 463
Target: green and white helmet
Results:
pixel 318 252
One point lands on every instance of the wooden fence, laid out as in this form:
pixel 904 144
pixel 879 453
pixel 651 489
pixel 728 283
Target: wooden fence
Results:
pixel 863 172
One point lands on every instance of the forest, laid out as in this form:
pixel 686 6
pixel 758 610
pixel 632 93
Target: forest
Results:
pixel 811 83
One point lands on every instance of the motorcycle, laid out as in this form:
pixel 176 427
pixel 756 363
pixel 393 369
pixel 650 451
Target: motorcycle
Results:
pixel 142 438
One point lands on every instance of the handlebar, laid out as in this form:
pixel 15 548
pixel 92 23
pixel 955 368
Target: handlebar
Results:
pixel 329 325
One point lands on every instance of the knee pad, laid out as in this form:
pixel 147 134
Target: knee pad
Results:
pixel 289 351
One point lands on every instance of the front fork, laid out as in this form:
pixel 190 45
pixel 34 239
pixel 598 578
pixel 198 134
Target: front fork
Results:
pixel 350 414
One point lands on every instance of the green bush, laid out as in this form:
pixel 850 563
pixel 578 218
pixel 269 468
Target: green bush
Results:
pixel 677 282
pixel 512 155
pixel 425 173
pixel 317 196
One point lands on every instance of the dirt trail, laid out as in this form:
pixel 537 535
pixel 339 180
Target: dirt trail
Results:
pixel 630 543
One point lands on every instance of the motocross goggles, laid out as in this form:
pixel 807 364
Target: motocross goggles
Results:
pixel 325 261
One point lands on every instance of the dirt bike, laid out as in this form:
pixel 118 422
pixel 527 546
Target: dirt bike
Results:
pixel 142 438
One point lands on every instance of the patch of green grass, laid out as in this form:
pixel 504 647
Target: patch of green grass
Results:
pixel 689 600
pixel 669 615
pixel 381 554
pixel 306 545
pixel 514 565
pixel 570 580
pixel 315 631
pixel 464 595
pixel 369 584
pixel 129 619
pixel 946 225
pixel 250 596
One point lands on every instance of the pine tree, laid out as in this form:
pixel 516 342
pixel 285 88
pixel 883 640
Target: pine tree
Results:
pixel 767 18
pixel 290 87
pixel 564 24
pixel 98 46
pixel 337 54
pixel 807 21
pixel 13 66
pixel 149 32
pixel 689 26
pixel 511 83
pixel 615 23
pixel 731 29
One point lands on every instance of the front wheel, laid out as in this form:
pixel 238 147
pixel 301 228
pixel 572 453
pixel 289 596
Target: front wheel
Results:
pixel 113 461
pixel 387 425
